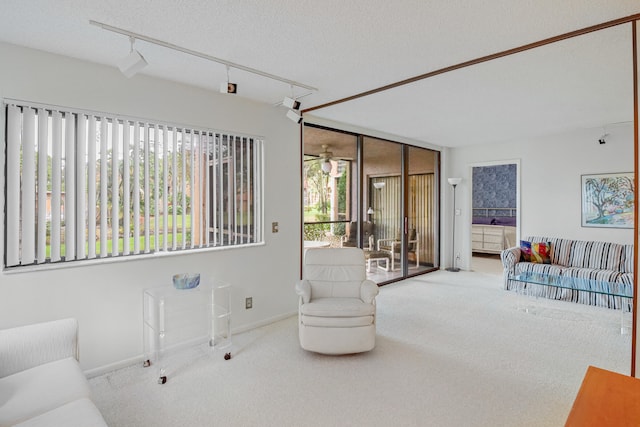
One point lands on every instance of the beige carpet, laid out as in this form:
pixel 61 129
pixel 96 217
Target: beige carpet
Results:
pixel 486 263
pixel 452 350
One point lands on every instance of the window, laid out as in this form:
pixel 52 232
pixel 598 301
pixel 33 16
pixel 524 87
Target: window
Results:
pixel 83 185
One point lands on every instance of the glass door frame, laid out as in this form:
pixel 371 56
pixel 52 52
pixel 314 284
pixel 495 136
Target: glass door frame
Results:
pixel 362 184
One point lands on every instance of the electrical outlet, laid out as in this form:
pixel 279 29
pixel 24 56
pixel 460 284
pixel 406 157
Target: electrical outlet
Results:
pixel 248 303
pixel 458 256
pixel 274 227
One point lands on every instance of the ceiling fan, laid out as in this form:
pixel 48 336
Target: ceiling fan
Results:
pixel 325 157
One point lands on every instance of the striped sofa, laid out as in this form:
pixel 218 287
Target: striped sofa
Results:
pixel 611 262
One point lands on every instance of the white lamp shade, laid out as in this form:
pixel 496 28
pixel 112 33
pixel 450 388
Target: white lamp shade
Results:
pixel 370 211
pixel 455 181
pixel 326 166
pixel 378 185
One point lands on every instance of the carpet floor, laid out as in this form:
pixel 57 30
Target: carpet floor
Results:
pixel 452 349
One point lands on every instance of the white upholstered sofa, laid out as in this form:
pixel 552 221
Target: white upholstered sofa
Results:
pixel 606 261
pixel 41 383
pixel 337 308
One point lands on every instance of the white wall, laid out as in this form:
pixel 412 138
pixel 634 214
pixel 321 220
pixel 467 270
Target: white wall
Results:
pixel 107 298
pixel 550 179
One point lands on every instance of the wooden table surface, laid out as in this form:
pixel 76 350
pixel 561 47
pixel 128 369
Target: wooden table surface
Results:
pixel 606 399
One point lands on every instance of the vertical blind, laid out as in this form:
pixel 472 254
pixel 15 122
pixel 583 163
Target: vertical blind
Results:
pixel 421 211
pixel 83 185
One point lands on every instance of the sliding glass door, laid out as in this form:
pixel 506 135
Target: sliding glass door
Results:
pixel 374 194
pixel 402 198
pixel 422 208
pixel 382 176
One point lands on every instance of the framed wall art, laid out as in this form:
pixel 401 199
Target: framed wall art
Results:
pixel 607 200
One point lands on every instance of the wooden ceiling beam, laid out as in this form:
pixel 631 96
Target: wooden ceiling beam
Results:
pixel 482 59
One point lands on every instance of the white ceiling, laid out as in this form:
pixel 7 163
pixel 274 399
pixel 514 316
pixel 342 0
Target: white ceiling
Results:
pixel 344 48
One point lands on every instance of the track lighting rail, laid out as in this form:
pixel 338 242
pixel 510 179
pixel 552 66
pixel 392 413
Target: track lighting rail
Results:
pixel 200 55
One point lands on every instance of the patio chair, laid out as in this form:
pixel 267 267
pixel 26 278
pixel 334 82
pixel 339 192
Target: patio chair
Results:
pixel 394 246
pixel 351 238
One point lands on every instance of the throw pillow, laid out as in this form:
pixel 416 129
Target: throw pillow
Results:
pixel 525 251
pixel 541 253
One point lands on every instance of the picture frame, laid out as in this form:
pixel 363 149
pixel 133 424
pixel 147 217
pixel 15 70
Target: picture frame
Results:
pixel 607 200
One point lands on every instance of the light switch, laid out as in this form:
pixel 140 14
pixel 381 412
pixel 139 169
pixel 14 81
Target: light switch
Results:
pixel 274 227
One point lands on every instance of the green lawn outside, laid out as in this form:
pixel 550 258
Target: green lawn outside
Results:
pixel 152 240
pixel 142 238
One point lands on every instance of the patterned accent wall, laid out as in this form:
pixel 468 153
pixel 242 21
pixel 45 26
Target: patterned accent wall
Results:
pixel 494 186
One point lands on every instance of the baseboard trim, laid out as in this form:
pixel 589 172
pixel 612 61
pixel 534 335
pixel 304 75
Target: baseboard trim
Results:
pixel 125 363
pixel 264 322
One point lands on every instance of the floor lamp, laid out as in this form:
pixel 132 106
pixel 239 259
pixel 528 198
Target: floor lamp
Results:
pixel 454 182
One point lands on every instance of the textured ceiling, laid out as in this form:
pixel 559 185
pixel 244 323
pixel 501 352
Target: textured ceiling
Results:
pixel 344 48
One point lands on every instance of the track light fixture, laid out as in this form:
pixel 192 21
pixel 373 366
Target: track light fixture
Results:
pixel 228 87
pixel 291 103
pixel 292 115
pixel 133 62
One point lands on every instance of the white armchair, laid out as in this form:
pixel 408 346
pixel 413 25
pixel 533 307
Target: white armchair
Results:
pixel 337 308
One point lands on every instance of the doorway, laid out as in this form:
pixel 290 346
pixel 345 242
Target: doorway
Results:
pixel 495 213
